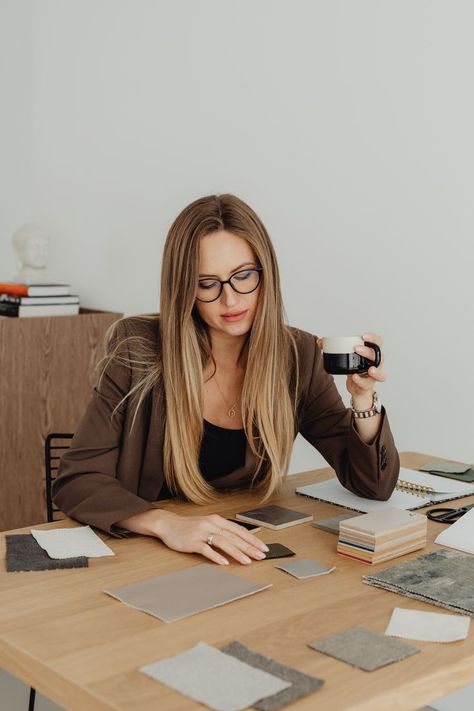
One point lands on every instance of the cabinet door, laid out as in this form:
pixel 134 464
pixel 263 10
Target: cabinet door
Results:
pixel 46 378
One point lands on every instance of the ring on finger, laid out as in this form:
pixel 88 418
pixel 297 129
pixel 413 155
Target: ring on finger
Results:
pixel 209 539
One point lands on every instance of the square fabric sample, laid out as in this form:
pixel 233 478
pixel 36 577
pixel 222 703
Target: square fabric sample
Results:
pixel 446 467
pixel 275 517
pixel 68 542
pixel 23 553
pixel 444 578
pixel 301 684
pixel 176 595
pixel 364 649
pixel 216 679
pixel 332 524
pixel 304 568
pixel 278 550
pixel 450 471
pixel 427 626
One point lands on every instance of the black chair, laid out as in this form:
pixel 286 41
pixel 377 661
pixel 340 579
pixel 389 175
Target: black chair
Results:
pixel 54 447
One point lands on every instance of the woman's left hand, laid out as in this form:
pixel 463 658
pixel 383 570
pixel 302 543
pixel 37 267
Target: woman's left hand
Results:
pixel 362 387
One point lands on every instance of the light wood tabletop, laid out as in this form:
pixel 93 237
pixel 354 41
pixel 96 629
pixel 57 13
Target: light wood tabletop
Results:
pixel 60 633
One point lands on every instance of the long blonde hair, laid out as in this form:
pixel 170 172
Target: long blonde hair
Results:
pixel 269 394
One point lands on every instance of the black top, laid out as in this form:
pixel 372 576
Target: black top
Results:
pixel 222 451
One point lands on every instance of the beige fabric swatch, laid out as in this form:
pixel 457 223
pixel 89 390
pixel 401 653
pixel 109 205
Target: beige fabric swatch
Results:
pixel 185 592
pixel 216 679
pixel 71 542
pixel 427 626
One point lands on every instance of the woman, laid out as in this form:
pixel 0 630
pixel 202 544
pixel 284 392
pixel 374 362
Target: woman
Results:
pixel 210 394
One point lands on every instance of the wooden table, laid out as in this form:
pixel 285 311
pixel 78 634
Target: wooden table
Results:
pixel 61 634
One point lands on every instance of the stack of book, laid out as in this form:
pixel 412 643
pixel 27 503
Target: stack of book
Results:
pixel 20 300
pixel 381 535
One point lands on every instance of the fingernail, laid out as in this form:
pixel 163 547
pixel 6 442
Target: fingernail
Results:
pixel 224 561
pixel 260 555
pixel 265 548
pixel 244 559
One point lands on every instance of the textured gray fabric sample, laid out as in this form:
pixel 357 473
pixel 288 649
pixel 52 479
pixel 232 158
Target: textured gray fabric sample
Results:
pixel 364 649
pixel 301 684
pixel 332 524
pixel 213 678
pixel 443 578
pixel 24 553
pixel 304 568
pixel 185 592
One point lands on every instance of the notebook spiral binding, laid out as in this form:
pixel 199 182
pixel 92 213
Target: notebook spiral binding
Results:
pixel 416 489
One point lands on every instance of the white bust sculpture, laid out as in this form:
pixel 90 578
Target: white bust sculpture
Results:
pixel 31 245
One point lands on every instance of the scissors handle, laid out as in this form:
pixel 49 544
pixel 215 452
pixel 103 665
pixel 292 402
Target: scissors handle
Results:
pixel 443 515
pixel 447 515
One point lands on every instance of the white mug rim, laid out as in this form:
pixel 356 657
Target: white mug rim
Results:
pixel 343 344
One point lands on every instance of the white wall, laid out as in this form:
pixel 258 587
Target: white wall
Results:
pixel 346 125
pixel 15 124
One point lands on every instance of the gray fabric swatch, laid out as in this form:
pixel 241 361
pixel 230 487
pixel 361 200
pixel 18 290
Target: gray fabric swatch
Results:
pixel 185 592
pixel 304 568
pixel 364 649
pixel 443 578
pixel 301 684
pixel 461 472
pixel 332 524
pixel 24 553
pixel 213 678
pixel 446 467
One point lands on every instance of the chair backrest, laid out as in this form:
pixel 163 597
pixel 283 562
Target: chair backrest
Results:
pixel 54 447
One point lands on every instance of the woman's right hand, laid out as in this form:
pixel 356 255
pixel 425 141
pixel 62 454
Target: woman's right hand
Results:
pixel 190 534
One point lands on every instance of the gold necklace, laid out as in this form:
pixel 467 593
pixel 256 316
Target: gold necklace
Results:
pixel 231 410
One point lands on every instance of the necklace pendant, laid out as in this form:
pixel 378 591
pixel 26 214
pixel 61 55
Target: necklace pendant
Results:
pixel 231 412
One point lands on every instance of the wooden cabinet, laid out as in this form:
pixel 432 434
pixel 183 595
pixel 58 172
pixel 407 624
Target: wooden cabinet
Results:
pixel 46 379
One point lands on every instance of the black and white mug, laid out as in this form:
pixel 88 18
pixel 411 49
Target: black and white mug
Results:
pixel 340 358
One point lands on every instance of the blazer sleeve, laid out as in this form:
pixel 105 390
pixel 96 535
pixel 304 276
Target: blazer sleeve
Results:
pixel 368 470
pixel 86 487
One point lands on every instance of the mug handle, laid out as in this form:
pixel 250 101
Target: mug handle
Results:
pixel 378 353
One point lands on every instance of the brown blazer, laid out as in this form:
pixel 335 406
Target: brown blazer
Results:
pixel 110 473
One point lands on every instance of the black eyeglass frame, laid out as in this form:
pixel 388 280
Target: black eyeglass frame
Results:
pixel 229 281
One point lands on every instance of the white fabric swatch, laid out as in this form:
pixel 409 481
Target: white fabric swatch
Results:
pixel 427 626
pixel 218 680
pixel 460 534
pixel 71 542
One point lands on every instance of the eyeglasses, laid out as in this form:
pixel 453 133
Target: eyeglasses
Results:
pixel 243 282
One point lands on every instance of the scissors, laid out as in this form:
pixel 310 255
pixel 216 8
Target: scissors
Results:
pixel 447 515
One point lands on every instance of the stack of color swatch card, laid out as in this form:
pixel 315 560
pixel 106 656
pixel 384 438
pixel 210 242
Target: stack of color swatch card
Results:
pixel 381 535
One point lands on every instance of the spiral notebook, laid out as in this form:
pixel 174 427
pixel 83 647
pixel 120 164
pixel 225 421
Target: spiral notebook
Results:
pixel 414 490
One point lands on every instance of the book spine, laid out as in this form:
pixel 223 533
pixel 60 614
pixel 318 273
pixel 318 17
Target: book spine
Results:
pixel 15 289
pixel 9 309
pixel 38 300
pixel 10 299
